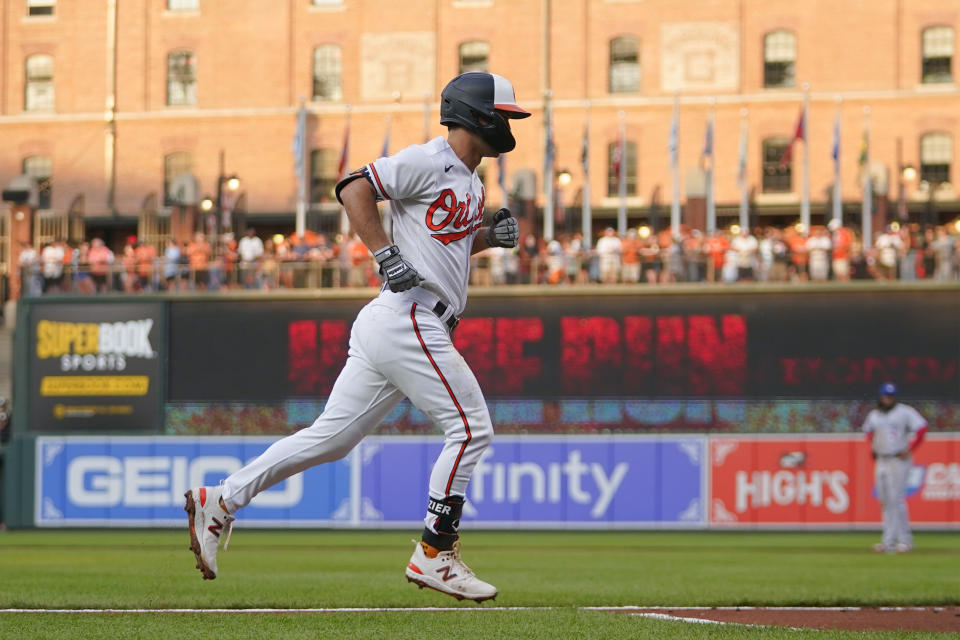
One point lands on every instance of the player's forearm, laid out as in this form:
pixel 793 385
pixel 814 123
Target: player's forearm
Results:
pixel 361 205
pixel 480 241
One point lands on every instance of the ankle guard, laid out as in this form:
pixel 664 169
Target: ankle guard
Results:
pixel 447 523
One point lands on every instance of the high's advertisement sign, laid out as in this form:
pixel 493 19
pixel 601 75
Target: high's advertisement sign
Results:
pixel 96 366
pixel 825 481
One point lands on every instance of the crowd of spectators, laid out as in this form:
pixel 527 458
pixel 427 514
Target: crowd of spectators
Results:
pixel 771 254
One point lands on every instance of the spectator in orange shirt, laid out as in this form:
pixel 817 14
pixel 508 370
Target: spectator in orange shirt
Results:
pixel 198 254
pixel 842 240
pixel 716 247
pixel 630 256
pixel 100 258
pixel 797 242
pixel 145 255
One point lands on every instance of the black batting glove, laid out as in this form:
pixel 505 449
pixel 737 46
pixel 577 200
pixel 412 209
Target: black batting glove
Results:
pixel 399 273
pixel 503 230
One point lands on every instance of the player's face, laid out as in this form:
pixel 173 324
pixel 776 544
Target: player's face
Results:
pixel 887 401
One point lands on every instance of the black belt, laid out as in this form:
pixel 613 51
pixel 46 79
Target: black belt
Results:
pixel 441 309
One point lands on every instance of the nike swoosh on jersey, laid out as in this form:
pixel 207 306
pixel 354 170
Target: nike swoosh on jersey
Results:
pixel 447 168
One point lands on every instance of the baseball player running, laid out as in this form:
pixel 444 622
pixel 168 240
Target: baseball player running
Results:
pixel 894 431
pixel 400 343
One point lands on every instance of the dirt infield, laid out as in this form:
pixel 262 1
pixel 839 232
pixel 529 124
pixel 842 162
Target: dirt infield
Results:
pixel 944 619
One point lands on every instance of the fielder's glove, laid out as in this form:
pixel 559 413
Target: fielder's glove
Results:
pixel 399 273
pixel 503 230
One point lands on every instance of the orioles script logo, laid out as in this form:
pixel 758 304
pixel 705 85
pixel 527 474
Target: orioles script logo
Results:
pixel 452 219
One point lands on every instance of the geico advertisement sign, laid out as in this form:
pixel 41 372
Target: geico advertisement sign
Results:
pixel 92 346
pixel 824 480
pixel 133 481
pixel 158 481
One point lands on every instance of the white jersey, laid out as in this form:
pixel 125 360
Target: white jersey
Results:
pixel 437 206
pixel 892 430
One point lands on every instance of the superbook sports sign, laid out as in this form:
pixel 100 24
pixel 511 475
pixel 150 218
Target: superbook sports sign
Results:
pixel 95 366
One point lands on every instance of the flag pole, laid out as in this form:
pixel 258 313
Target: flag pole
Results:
pixel 744 189
pixel 548 170
pixel 675 152
pixel 300 147
pixel 837 182
pixel 344 169
pixel 426 118
pixel 586 213
pixel 805 202
pixel 388 208
pixel 622 177
pixel 867 205
pixel 711 206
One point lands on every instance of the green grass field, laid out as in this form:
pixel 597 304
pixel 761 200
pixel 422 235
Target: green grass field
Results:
pixel 560 570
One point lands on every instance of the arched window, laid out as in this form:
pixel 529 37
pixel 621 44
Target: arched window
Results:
pixel 777 175
pixel 779 57
pixel 327 73
pixel 613 168
pixel 936 155
pixel 624 64
pixel 474 56
pixel 323 174
pixel 40 168
pixel 174 164
pixel 38 93
pixel 937 54
pixel 181 78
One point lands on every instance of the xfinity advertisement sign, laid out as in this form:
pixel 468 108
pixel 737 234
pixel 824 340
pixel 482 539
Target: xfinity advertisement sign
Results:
pixel 585 482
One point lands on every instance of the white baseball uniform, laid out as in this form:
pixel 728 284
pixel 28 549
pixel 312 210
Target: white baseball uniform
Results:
pixel 400 343
pixel 892 432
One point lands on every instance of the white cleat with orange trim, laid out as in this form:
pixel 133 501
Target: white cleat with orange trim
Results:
pixel 208 520
pixel 449 574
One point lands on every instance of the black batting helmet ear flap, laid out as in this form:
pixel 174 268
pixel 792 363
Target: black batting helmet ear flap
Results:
pixel 482 103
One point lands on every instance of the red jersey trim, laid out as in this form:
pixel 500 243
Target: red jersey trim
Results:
pixel 463 416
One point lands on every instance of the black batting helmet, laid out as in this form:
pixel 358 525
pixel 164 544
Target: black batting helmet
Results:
pixel 475 94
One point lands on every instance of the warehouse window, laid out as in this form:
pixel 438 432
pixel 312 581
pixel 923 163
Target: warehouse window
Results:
pixel 327 73
pixel 181 79
pixel 624 65
pixel 41 7
pixel 183 5
pixel 474 56
pixel 937 55
pixel 40 169
pixel 38 94
pixel 175 164
pixel 777 175
pixel 323 174
pixel 613 168
pixel 779 57
pixel 936 154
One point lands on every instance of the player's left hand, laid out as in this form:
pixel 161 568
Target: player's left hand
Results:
pixel 503 230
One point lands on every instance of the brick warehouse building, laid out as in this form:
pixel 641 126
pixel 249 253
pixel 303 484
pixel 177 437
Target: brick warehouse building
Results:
pixel 106 105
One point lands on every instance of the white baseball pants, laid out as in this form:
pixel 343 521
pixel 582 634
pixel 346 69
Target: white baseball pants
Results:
pixel 890 475
pixel 398 347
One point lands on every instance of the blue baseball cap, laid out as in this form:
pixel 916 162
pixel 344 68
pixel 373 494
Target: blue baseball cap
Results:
pixel 887 389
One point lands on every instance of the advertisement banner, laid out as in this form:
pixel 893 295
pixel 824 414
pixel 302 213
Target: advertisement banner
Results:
pixel 825 481
pixel 140 482
pixel 544 481
pixel 96 366
pixel 588 482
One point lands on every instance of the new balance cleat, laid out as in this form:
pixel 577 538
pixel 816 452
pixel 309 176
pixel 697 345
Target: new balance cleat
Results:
pixel 448 573
pixel 208 520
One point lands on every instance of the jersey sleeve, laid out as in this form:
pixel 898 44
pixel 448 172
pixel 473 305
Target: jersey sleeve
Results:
pixel 407 174
pixel 868 423
pixel 915 421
